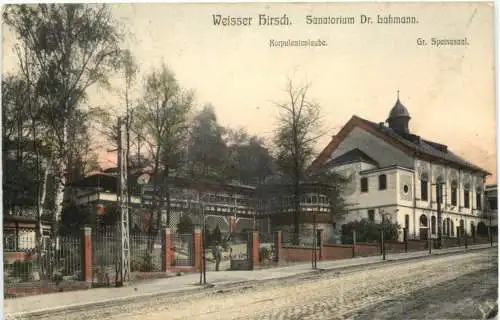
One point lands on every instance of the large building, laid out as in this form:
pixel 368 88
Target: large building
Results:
pixel 395 173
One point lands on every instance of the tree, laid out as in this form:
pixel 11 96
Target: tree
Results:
pixel 206 149
pixel 162 118
pixel 294 140
pixel 185 225
pixel 249 161
pixel 63 50
pixel 331 184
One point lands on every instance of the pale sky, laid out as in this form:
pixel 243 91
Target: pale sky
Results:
pixel 449 91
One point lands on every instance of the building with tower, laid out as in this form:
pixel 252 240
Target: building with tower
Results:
pixel 400 175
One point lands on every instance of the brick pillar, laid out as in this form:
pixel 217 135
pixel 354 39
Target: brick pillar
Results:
pixel 278 242
pixel 319 242
pixel 87 255
pixel 197 250
pixel 253 247
pixel 167 250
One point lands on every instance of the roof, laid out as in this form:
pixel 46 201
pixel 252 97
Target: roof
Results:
pixel 354 155
pixel 410 143
pixel 418 144
pixel 398 111
pixel 105 180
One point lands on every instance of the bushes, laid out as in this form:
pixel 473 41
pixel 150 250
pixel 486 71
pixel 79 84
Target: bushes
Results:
pixel 185 225
pixel 142 263
pixel 369 231
pixel 23 269
pixel 265 254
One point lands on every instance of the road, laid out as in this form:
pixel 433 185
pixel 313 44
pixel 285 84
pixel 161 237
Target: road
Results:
pixel 445 287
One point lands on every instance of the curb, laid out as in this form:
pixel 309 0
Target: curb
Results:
pixel 492 314
pixel 229 287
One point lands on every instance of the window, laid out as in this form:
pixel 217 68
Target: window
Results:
pixel 382 182
pixel 433 224
pixel 407 221
pixel 452 228
pixel 364 184
pixel 478 200
pixel 493 203
pixel 466 198
pixel 454 193
pixel 371 215
pixel 423 191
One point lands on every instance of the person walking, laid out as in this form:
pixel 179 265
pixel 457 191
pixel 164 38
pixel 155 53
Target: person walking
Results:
pixel 216 252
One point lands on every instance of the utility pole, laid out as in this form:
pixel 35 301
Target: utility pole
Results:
pixel 314 238
pixel 123 201
pixel 382 243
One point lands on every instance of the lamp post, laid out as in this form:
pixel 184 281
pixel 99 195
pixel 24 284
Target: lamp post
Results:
pixel 383 215
pixel 382 227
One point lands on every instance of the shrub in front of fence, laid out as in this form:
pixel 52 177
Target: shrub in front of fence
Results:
pixel 266 254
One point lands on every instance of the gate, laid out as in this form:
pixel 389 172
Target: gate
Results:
pixel 184 249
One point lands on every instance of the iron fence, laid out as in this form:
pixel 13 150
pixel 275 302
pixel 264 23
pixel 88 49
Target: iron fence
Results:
pixel 27 264
pixel 145 252
pixel 106 255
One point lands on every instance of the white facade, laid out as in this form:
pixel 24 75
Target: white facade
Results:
pixel 402 199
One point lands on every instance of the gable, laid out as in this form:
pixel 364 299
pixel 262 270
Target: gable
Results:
pixel 382 152
pixel 351 156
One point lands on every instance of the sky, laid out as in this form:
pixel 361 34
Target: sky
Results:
pixel 449 91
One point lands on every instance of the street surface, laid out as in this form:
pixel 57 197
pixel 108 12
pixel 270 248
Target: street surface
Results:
pixel 462 286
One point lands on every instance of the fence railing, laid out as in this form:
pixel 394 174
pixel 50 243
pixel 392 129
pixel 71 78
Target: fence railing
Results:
pixel 57 259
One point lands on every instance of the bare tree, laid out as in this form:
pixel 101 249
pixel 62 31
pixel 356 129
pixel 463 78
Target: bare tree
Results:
pixel 162 118
pixel 298 129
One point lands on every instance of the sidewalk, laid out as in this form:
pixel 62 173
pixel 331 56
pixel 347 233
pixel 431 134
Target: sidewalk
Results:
pixel 190 283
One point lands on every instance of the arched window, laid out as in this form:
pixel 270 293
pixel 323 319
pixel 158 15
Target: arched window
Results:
pixel 462 226
pixel 433 224
pixel 478 198
pixel 423 221
pixel 444 227
pixel 440 186
pixel 454 193
pixel 424 186
pixel 466 195
pixel 407 221
pixel 452 228
pixel 382 182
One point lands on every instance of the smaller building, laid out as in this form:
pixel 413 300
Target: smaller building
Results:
pixel 491 212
